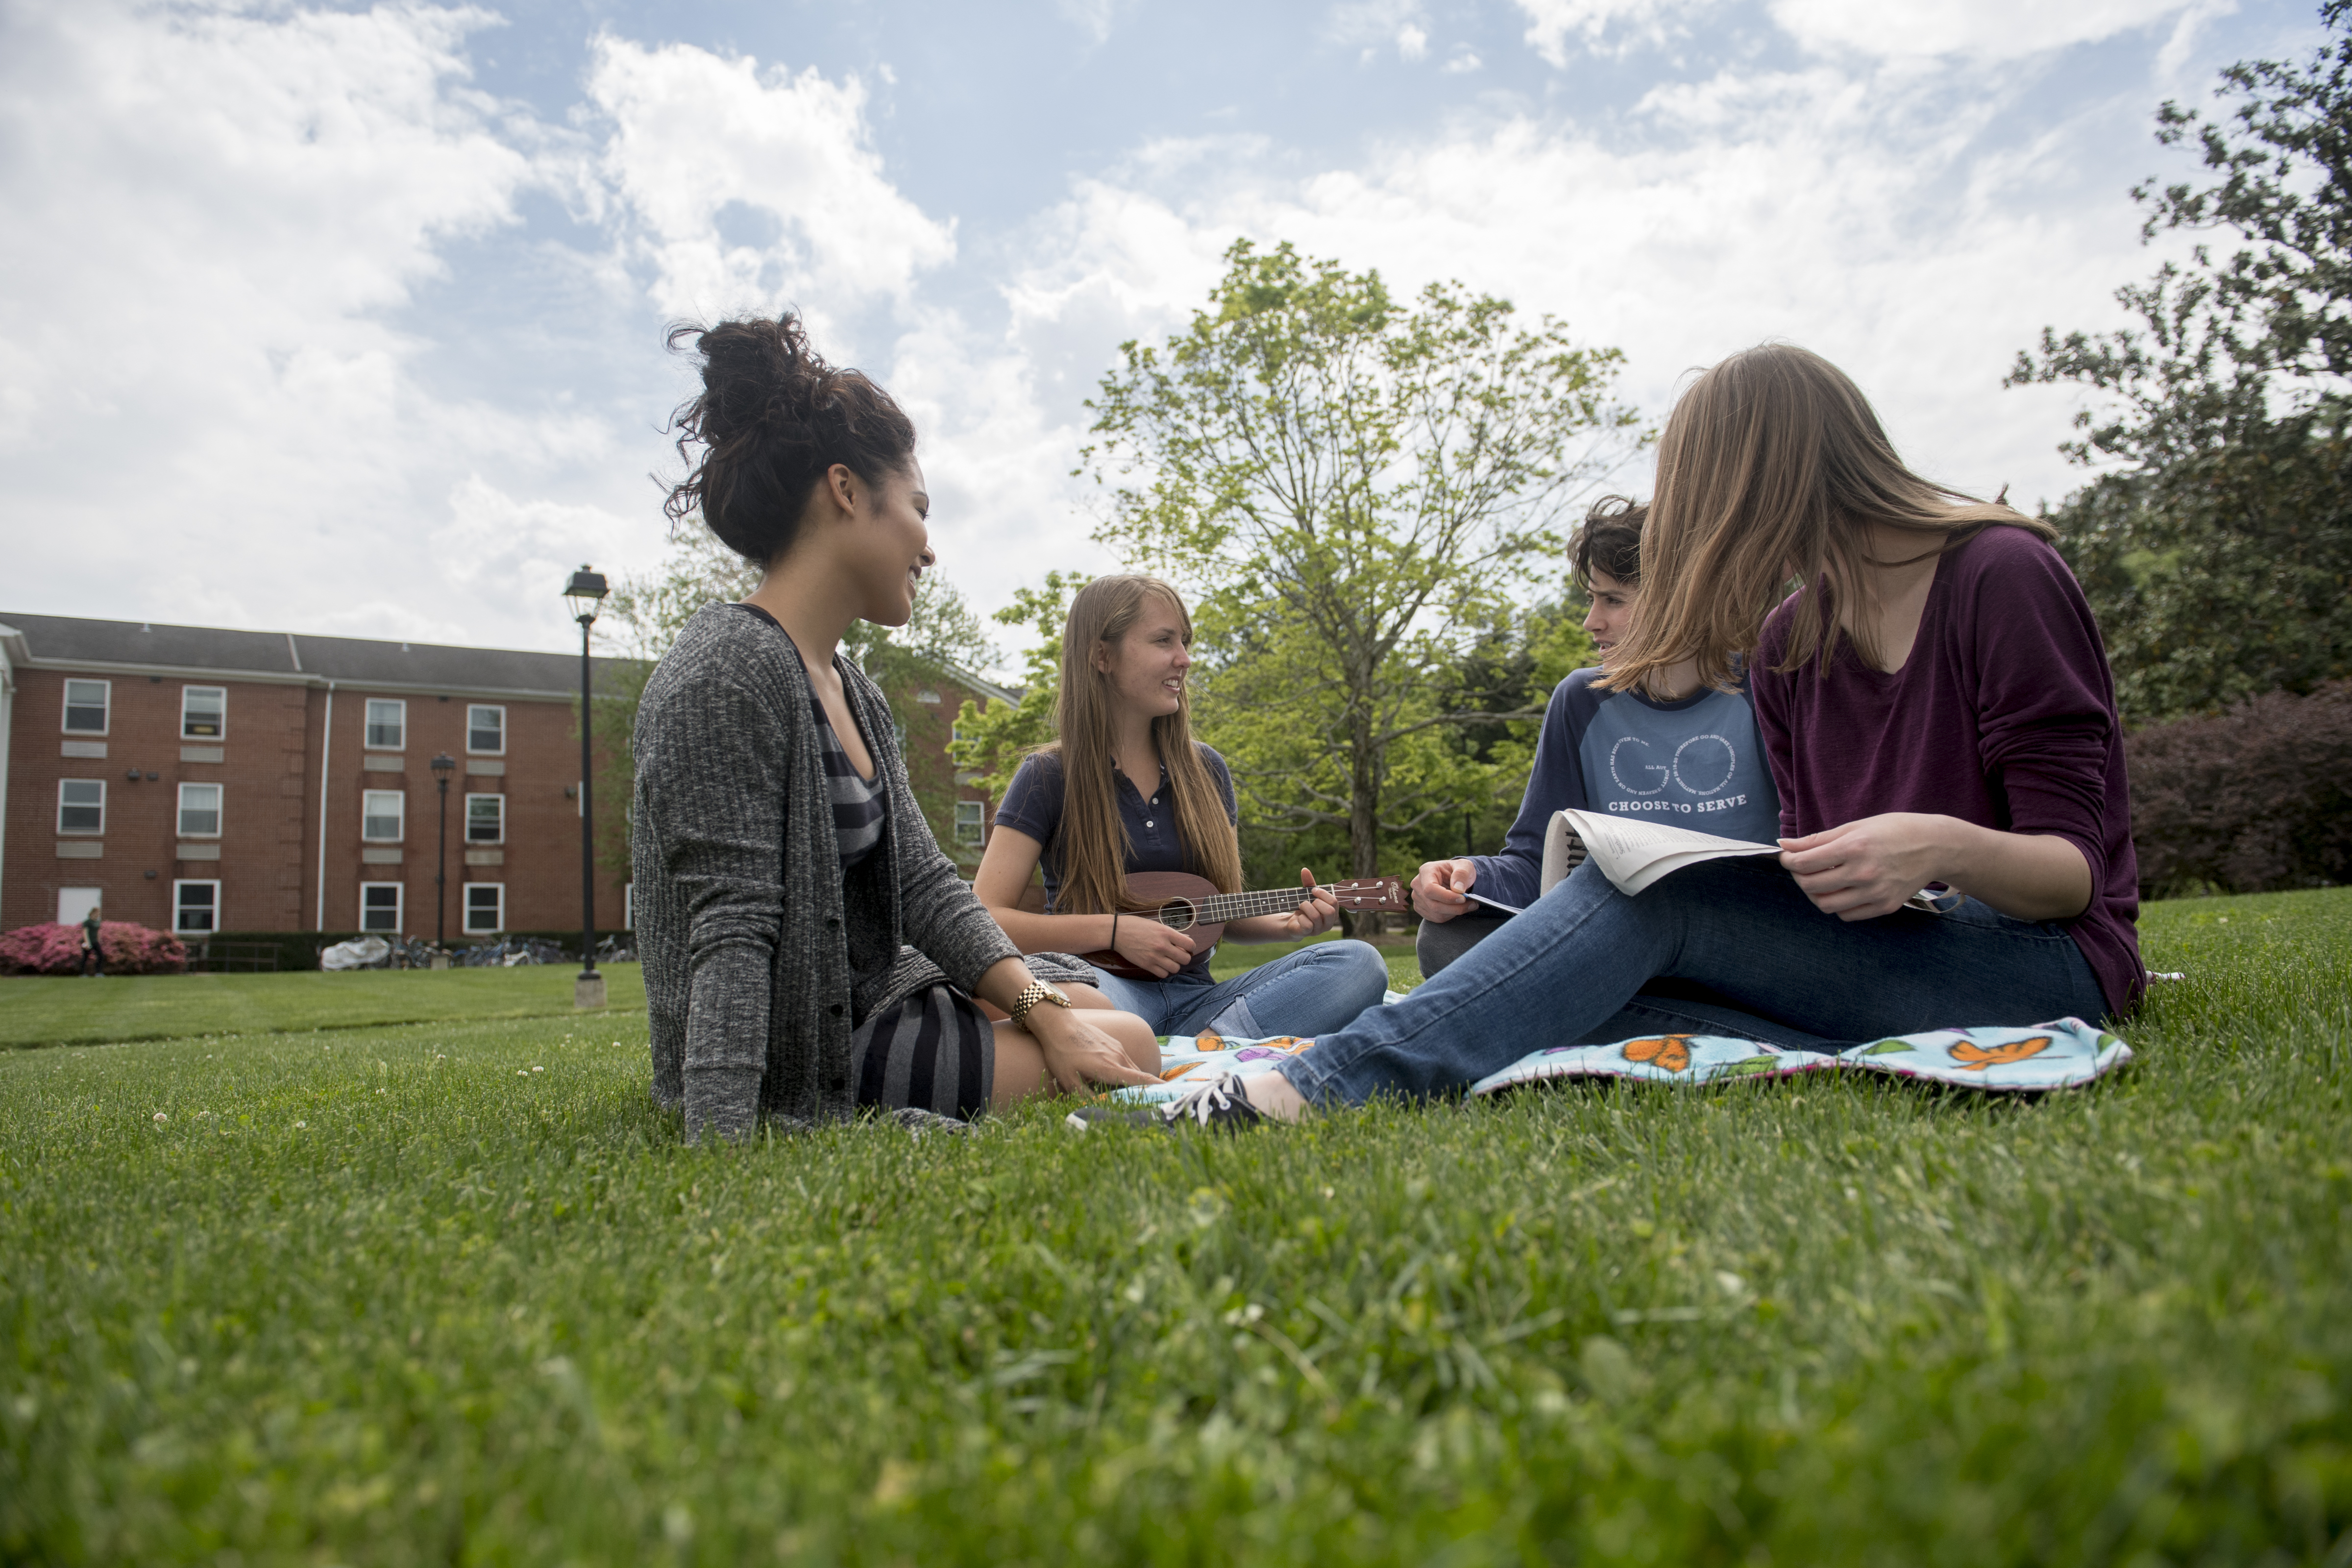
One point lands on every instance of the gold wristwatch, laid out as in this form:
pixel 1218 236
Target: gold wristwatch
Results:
pixel 1037 991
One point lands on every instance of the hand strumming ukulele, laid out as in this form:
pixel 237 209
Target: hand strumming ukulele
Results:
pixel 1193 905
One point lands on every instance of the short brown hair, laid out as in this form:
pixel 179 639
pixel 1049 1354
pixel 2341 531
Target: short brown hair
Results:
pixel 1610 541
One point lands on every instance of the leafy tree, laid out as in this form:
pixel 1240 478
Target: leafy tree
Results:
pixel 1350 488
pixel 995 740
pixel 2219 556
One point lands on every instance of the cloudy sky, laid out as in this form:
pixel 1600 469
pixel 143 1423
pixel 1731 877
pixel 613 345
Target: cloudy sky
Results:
pixel 347 319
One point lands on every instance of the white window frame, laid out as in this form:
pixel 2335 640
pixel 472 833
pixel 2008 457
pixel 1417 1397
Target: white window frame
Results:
pixel 105 704
pixel 978 822
pixel 91 832
pixel 465 916
pixel 501 709
pixel 220 731
pixel 628 906
pixel 501 836
pixel 399 815
pixel 399 907
pixel 220 807
pixel 367 724
pixel 180 926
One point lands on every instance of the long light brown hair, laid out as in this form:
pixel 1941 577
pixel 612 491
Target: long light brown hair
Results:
pixel 1773 466
pixel 1093 839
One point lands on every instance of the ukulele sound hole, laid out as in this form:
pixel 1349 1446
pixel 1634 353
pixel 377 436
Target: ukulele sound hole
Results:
pixel 1178 915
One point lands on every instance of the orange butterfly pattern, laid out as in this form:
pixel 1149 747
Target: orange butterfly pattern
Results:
pixel 1671 1052
pixel 1974 1057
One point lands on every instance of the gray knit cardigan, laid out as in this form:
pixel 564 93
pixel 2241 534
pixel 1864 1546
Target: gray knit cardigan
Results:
pixel 758 954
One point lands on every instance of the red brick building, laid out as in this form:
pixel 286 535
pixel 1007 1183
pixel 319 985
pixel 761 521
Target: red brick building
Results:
pixel 195 779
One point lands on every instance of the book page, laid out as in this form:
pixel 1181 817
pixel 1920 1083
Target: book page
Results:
pixel 1634 854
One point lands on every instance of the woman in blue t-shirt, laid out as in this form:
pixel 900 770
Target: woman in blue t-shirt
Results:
pixel 1694 760
pixel 1127 790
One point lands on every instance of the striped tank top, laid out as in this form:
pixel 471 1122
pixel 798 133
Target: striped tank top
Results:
pixel 859 805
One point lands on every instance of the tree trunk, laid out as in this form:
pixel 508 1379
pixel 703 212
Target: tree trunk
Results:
pixel 1363 812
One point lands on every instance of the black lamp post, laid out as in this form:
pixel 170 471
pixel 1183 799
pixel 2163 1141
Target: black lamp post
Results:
pixel 442 766
pixel 585 594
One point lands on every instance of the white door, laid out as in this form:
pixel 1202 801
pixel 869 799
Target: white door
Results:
pixel 73 903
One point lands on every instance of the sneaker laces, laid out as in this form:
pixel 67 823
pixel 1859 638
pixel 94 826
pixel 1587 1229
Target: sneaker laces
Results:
pixel 1208 1097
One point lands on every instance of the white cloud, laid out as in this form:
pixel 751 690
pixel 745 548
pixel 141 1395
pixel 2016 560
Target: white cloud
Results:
pixel 1551 23
pixel 1096 19
pixel 695 138
pixel 200 381
pixel 1412 42
pixel 1974 29
pixel 1862 216
pixel 1979 29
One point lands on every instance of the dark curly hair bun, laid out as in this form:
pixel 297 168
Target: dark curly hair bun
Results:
pixel 772 419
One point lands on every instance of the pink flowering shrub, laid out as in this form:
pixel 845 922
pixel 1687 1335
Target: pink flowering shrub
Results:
pixel 129 949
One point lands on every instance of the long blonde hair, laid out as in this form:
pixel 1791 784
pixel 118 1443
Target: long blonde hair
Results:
pixel 1092 838
pixel 1773 466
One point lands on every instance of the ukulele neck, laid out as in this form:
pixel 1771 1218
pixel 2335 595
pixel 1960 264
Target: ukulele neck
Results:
pixel 1221 908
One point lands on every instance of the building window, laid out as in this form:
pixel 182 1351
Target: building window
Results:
pixel 928 697
pixel 200 811
pixel 81 806
pixel 486 819
pixel 485 907
pixel 380 907
pixel 195 907
pixel 970 823
pixel 86 704
pixel 383 815
pixel 203 712
pixel 387 724
pixel 486 728
pixel 628 906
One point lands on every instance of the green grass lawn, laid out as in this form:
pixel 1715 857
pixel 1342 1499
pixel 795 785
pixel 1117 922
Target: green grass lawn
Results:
pixel 47 1010
pixel 451 1291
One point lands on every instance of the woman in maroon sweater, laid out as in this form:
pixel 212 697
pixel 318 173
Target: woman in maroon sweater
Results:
pixel 1937 707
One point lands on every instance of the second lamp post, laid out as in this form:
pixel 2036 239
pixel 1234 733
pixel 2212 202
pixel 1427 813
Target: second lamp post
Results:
pixel 585 594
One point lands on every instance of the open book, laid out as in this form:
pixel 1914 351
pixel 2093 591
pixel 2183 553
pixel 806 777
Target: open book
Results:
pixel 1631 853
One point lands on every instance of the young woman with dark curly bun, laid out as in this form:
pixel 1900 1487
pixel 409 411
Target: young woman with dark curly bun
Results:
pixel 809 951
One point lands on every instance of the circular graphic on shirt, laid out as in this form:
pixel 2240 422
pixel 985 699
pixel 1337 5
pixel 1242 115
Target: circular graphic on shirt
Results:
pixel 1653 773
pixel 1703 758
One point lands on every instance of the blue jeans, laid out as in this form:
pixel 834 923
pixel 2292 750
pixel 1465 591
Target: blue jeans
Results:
pixel 1585 964
pixel 1313 990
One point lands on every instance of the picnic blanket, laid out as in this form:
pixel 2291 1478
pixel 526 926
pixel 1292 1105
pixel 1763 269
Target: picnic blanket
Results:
pixel 2065 1054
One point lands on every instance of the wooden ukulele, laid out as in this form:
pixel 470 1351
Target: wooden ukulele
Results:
pixel 1193 905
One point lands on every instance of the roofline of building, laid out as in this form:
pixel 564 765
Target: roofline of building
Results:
pixel 317 683
pixel 984 686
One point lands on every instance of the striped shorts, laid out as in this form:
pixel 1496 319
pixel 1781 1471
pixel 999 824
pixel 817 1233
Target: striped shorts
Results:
pixel 934 1050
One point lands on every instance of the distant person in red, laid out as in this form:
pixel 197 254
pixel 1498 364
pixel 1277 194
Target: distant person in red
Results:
pixel 93 956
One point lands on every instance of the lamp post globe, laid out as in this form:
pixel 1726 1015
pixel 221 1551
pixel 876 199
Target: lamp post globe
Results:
pixel 584 595
pixel 442 766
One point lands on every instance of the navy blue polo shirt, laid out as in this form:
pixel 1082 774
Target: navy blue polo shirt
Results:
pixel 1033 804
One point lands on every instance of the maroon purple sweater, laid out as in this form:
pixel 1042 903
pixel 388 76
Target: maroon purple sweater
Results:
pixel 2004 715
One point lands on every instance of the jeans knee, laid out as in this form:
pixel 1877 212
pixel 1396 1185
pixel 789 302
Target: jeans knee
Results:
pixel 1360 964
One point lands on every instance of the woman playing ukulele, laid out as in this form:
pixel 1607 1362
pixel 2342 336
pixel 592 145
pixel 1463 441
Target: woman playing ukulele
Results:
pixel 1127 790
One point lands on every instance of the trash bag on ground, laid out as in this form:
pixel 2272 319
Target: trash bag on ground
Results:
pixel 360 952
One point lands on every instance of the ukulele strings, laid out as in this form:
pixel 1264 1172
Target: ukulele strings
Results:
pixel 1220 907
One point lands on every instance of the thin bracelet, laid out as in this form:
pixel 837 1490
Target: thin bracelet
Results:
pixel 1114 930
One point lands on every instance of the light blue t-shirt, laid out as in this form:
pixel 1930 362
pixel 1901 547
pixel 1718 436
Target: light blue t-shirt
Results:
pixel 1698 763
